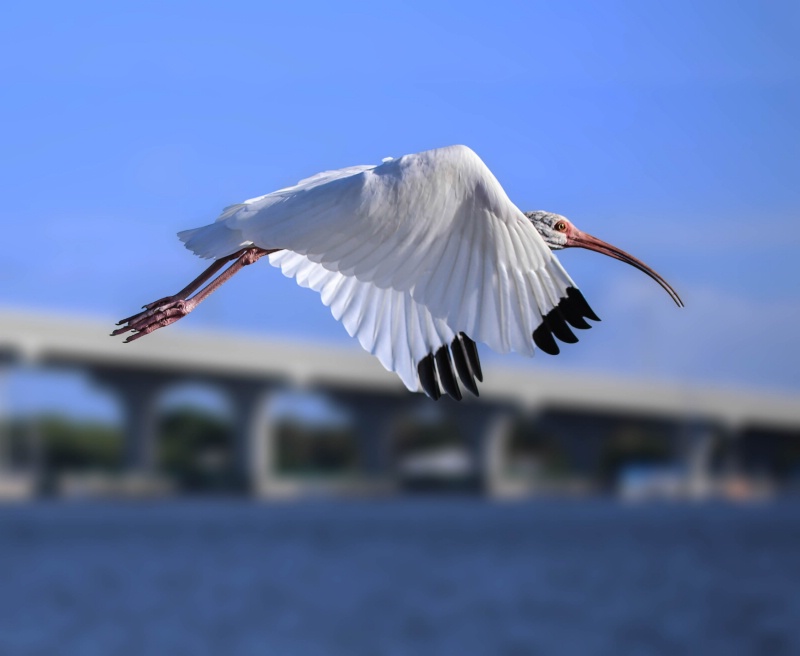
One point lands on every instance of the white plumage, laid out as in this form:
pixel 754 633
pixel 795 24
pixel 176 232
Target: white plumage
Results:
pixel 418 257
pixel 407 254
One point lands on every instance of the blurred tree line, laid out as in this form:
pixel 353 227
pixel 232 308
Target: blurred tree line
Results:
pixel 53 443
pixel 315 450
pixel 195 448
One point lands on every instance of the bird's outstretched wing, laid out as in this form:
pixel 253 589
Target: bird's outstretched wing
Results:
pixel 417 257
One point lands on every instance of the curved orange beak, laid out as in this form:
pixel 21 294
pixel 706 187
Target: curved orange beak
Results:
pixel 580 239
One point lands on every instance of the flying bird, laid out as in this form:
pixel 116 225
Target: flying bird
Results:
pixel 419 257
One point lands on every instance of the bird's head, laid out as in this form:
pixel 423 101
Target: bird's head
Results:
pixel 553 228
pixel 558 232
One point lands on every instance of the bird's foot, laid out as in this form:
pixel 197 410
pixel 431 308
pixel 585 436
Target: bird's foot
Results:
pixel 168 310
pixel 158 314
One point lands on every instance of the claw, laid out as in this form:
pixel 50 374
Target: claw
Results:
pixel 168 310
pixel 156 315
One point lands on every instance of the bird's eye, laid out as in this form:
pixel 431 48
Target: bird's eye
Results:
pixel 561 226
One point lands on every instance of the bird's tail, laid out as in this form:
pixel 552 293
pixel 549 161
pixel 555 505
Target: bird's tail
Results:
pixel 213 241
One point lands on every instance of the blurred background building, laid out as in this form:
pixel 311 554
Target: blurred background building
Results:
pixel 301 419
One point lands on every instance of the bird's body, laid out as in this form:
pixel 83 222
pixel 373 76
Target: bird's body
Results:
pixel 417 257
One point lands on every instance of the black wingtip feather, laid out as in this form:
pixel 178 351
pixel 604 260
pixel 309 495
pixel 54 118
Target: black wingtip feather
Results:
pixel 558 326
pixel 427 377
pixel 462 366
pixel 573 315
pixel 471 349
pixel 446 374
pixel 543 338
pixel 576 298
pixel 570 311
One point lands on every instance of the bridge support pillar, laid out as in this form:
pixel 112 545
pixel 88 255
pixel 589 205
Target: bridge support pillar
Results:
pixel 486 430
pixel 374 420
pixel 138 394
pixel 253 435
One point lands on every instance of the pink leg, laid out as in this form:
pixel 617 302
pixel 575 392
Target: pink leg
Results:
pixel 169 309
pixel 190 288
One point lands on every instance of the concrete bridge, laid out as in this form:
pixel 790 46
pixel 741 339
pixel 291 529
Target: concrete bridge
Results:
pixel 249 370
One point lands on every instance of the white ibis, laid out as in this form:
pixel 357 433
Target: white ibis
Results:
pixel 419 257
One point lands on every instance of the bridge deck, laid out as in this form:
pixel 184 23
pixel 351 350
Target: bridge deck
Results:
pixel 53 340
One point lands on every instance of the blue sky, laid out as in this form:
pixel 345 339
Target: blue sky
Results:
pixel 670 130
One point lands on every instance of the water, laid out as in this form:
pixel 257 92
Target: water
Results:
pixel 451 576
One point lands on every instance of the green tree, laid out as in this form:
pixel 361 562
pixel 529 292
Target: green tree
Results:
pixel 195 448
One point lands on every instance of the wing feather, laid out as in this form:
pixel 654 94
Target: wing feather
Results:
pixel 408 255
